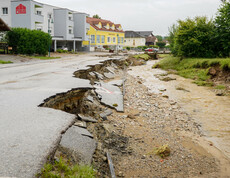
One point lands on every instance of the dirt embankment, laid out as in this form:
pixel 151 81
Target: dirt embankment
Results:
pixel 149 122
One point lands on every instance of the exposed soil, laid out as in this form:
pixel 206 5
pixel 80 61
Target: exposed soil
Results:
pixel 220 77
pixel 151 121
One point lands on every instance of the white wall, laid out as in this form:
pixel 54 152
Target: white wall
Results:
pixel 6 18
pixel 134 42
pixel 46 10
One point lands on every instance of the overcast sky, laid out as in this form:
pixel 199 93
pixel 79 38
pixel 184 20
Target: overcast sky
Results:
pixel 142 15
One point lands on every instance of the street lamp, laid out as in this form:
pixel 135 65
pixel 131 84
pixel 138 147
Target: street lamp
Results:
pixel 49 20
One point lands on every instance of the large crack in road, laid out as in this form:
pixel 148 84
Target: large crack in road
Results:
pixel 91 107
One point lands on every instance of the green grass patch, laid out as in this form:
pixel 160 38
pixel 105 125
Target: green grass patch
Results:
pixel 5 62
pixel 146 57
pixel 62 168
pixel 220 87
pixel 194 68
pixel 45 58
pixel 163 55
pixel 203 83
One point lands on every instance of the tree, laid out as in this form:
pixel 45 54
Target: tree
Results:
pixel 193 38
pixel 161 44
pixel 160 38
pixel 222 23
pixel 171 38
pixel 96 16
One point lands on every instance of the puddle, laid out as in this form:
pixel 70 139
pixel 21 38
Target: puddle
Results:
pixel 209 110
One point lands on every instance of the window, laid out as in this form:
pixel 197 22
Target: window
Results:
pixel 108 39
pixel 39 12
pixel 102 39
pixel 4 10
pixel 122 39
pixel 114 39
pixel 49 31
pixel 98 39
pixel 70 18
pixel 118 38
pixel 92 38
pixel 49 16
pixel 70 31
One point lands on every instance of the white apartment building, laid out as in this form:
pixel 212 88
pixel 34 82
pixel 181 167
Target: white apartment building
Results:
pixel 68 28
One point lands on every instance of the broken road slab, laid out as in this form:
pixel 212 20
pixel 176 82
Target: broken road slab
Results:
pixel 78 144
pixel 109 75
pixel 110 95
pixel 106 113
pixel 87 118
pixel 116 82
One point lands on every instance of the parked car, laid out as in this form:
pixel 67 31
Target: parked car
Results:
pixel 152 49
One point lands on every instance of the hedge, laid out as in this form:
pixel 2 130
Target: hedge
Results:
pixel 31 42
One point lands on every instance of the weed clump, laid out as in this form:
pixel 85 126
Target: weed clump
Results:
pixel 63 168
pixel 163 151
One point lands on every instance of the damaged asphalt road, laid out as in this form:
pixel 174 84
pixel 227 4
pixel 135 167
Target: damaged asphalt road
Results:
pixel 29 133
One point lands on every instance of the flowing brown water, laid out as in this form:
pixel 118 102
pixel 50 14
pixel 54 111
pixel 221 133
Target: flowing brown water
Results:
pixel 211 111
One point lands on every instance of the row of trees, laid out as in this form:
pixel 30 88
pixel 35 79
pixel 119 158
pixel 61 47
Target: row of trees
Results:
pixel 201 37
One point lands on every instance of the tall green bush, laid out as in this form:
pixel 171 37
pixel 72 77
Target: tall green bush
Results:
pixel 194 38
pixel 222 23
pixel 161 44
pixel 26 41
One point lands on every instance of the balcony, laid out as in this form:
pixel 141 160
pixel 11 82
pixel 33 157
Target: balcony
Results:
pixel 38 18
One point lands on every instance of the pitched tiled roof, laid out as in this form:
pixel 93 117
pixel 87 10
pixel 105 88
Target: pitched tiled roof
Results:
pixel 133 34
pixel 94 21
pixel 151 39
pixel 145 33
pixel 4 26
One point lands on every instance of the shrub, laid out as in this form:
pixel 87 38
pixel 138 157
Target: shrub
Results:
pixel 62 51
pixel 26 41
pixel 153 46
pixel 128 48
pixel 161 44
pixel 193 38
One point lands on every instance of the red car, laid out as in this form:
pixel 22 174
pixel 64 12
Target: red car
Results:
pixel 151 49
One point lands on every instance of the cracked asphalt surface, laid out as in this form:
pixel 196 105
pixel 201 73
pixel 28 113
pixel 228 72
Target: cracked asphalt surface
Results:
pixel 28 133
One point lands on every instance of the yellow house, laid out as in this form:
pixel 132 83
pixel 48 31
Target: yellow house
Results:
pixel 105 33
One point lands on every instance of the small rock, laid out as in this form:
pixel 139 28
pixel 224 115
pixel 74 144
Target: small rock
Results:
pixel 80 124
pixel 165 96
pixel 131 116
pixel 173 103
pixel 220 93
pixel 166 79
pixel 120 174
pixel 104 158
pixel 143 157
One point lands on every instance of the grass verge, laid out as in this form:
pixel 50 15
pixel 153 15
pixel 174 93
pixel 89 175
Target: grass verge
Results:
pixel 194 68
pixel 5 62
pixel 63 168
pixel 146 57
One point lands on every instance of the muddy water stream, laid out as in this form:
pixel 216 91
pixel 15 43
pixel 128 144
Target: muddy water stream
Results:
pixel 210 111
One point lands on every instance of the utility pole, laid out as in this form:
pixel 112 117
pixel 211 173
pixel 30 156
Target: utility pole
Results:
pixel 49 33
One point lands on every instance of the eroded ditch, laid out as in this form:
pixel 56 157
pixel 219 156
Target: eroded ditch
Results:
pixel 91 114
